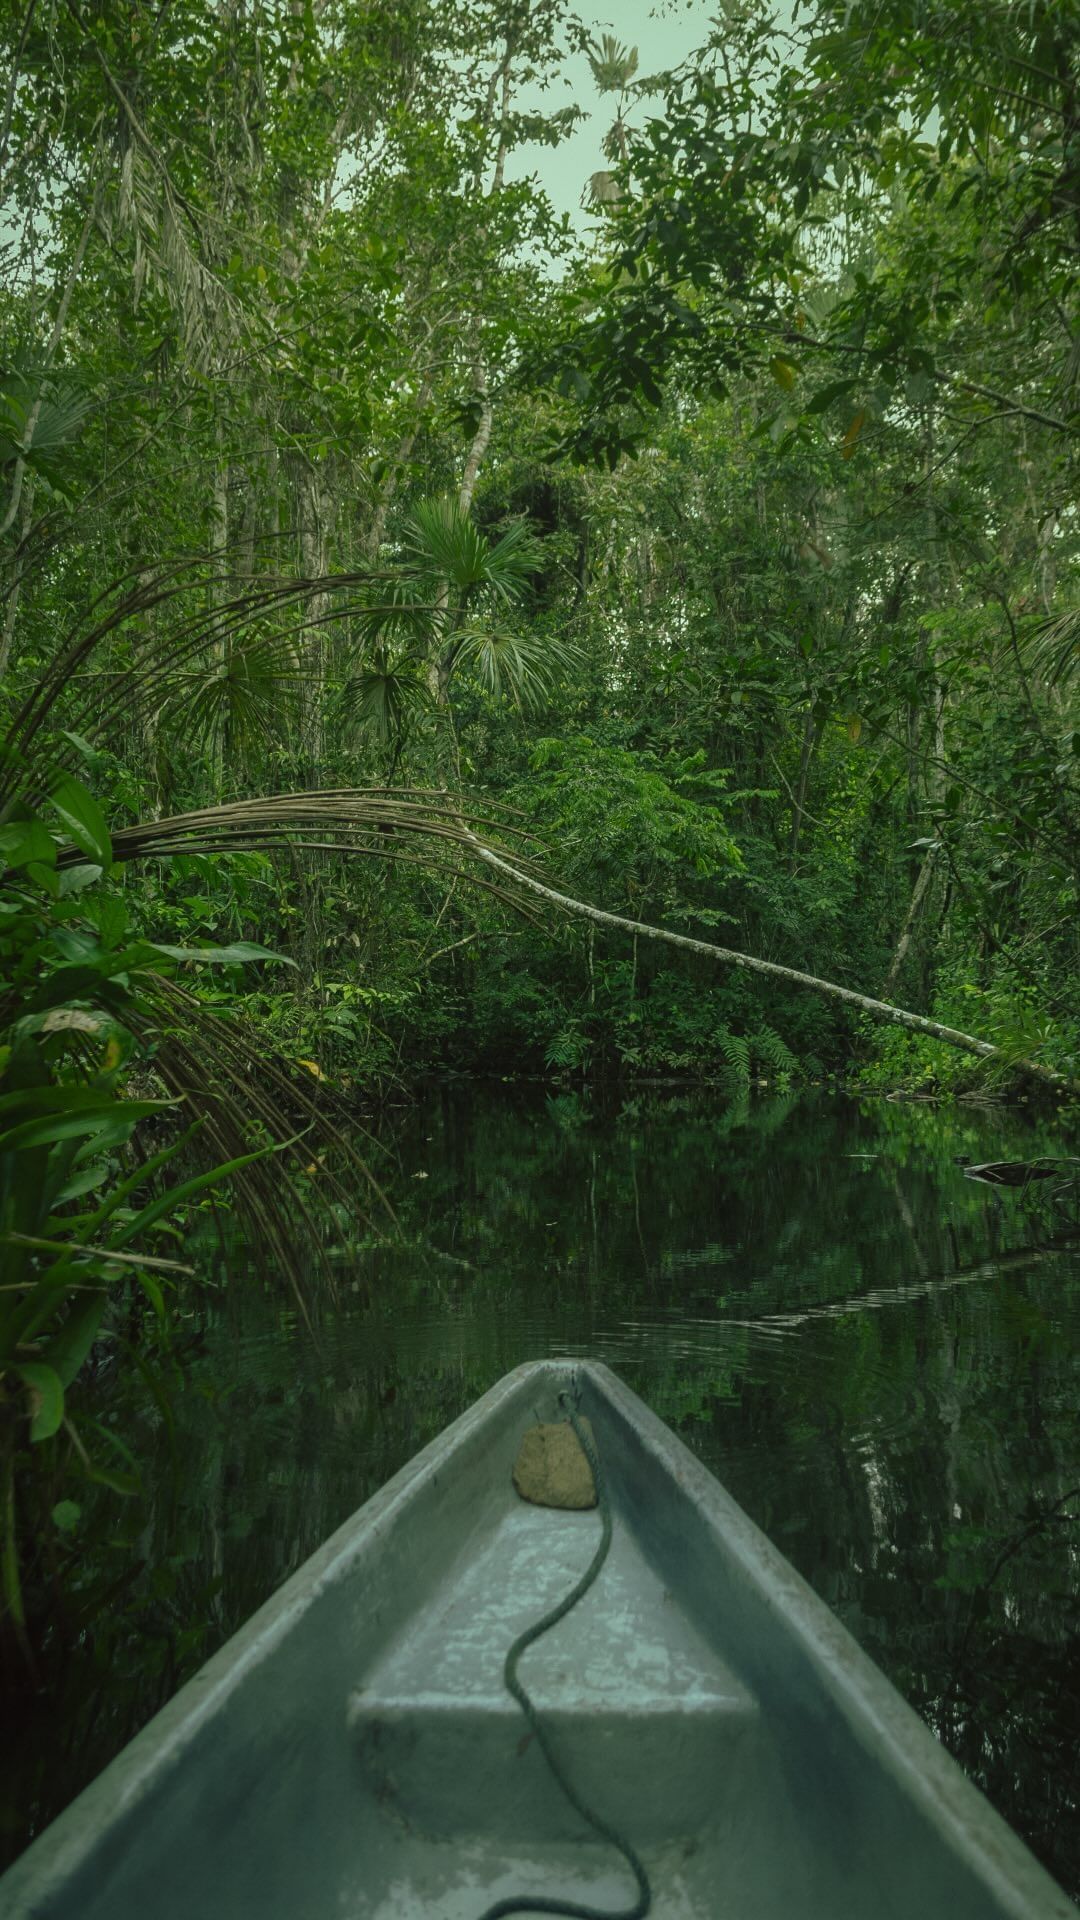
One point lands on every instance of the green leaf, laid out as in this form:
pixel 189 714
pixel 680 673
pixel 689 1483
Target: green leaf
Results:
pixel 83 818
pixel 43 875
pixel 67 1351
pixel 231 956
pixel 75 880
pixel 46 1398
pixel 125 1483
pixel 22 841
pixel 153 1292
pixel 66 1515
pixel 177 1196
pixel 825 396
pixel 91 754
pixel 116 1119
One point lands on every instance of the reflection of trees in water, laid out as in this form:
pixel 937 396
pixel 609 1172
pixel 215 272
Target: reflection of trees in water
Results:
pixel 779 1279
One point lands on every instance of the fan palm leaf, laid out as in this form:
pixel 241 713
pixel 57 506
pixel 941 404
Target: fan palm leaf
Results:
pixel 384 695
pixel 244 699
pixel 442 542
pixel 56 406
pixel 521 667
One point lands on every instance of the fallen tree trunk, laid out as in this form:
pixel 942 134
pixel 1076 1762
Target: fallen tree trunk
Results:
pixel 878 1009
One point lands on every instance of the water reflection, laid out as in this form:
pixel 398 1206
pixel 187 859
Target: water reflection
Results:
pixel 875 1354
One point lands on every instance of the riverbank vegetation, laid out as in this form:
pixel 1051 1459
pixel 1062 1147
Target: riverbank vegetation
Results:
pixel 713 564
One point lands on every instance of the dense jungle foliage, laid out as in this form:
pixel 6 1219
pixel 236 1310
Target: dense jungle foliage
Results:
pixel 713 562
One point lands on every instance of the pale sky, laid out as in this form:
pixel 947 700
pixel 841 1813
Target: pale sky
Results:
pixel 664 34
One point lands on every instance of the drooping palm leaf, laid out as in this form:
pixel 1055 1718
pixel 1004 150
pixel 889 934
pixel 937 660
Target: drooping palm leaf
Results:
pixel 521 667
pixel 219 1070
pixel 354 820
pixel 1053 647
pixel 70 694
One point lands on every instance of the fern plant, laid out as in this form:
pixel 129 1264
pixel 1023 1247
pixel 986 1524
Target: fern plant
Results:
pixel 734 1049
pixel 566 1051
pixel 773 1056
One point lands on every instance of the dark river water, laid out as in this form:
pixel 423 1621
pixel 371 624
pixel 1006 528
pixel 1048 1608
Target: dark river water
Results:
pixel 876 1354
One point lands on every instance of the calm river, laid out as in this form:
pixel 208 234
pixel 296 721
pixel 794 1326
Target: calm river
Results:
pixel 875 1353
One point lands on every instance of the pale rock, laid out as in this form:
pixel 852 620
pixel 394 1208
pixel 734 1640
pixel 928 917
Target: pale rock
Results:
pixel 552 1470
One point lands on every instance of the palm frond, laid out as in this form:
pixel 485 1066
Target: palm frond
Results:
pixel 292 819
pixel 442 541
pixel 521 667
pixel 219 1071
pixel 242 700
pixel 613 65
pixel 516 555
pixel 67 694
pixel 1053 647
pixel 401 609
pixel 62 406
pixel 384 695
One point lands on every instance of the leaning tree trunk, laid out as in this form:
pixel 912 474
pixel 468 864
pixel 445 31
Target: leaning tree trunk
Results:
pixel 864 1003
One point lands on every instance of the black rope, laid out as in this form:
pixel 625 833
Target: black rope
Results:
pixel 543 1903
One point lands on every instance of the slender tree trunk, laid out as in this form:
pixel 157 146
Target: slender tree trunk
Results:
pixel 389 486
pixel 809 741
pixel 311 528
pixel 481 438
pixel 60 322
pixel 922 883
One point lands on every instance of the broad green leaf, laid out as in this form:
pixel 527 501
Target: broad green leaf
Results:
pixel 23 841
pixel 825 396
pixel 106 1116
pixel 68 1349
pixel 74 880
pixel 83 818
pixel 45 876
pixel 51 1099
pixel 152 1291
pixel 124 1483
pixel 46 1394
pixel 176 1196
pixel 80 1183
pixel 782 372
pixel 80 982
pixel 70 1020
pixel 91 754
pixel 66 1515
pixel 231 956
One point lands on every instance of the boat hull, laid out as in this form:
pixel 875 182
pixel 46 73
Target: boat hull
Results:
pixel 352 1754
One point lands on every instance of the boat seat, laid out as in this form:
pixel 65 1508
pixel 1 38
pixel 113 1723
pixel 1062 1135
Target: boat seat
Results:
pixel 648 1722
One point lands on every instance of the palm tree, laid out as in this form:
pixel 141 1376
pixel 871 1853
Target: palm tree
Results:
pixel 450 611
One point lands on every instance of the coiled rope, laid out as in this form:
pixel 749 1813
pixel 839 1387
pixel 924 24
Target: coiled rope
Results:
pixel 543 1903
